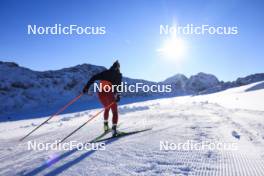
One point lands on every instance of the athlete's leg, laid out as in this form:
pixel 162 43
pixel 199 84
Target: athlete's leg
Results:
pixel 105 102
pixel 115 113
pixel 111 98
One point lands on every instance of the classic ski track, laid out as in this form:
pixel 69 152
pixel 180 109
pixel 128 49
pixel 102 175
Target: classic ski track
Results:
pixel 136 159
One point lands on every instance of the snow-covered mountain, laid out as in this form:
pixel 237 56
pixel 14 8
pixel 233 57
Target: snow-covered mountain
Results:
pixel 227 127
pixel 201 82
pixel 181 85
pixel 22 88
pixel 238 82
pixel 178 84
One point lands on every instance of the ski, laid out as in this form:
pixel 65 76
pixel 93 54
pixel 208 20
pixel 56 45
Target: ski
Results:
pixel 100 136
pixel 103 134
pixel 122 134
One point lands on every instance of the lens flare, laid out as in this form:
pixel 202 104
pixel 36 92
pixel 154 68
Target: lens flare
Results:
pixel 174 49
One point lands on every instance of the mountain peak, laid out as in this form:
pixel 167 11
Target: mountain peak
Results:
pixel 9 64
pixel 175 78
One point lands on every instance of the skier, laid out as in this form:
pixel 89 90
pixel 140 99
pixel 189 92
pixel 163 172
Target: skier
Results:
pixel 108 78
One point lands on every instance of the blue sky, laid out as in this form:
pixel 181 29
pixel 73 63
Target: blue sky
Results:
pixel 132 36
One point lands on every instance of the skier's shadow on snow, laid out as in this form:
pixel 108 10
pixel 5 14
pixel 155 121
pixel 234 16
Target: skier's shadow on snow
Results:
pixel 68 164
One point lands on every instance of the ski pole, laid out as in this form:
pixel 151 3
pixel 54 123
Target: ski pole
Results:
pixel 85 123
pixel 61 110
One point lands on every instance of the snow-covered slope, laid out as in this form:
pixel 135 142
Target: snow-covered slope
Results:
pixel 245 97
pixel 207 119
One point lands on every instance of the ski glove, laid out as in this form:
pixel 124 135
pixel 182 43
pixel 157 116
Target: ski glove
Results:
pixel 85 89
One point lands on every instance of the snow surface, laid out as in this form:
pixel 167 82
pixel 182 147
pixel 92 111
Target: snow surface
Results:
pixel 232 116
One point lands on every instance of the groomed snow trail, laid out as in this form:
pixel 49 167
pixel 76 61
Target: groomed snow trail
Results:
pixel 175 120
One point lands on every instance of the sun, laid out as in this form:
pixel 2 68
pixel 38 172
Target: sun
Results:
pixel 174 49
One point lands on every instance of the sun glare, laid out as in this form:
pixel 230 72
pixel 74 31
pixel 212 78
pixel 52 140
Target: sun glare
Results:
pixel 173 49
